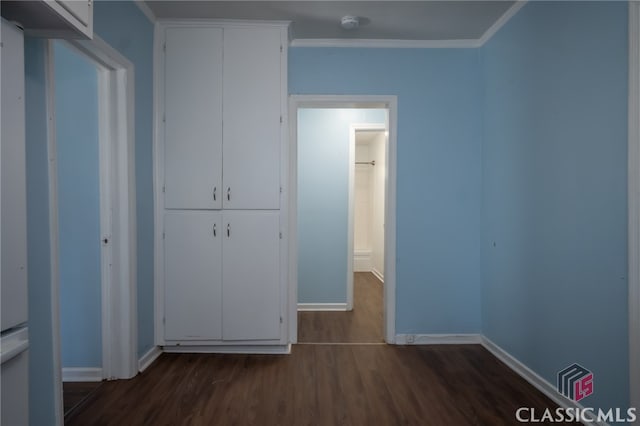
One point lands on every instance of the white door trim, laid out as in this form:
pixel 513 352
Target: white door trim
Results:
pixel 346 101
pixel 106 250
pixel 119 281
pixel 53 236
pixel 353 128
pixel 634 204
pixel 158 182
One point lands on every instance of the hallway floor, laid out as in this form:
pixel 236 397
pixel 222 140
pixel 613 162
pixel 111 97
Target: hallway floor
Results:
pixel 362 325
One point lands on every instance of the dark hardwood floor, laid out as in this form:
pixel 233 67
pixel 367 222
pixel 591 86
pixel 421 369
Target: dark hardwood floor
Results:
pixel 319 385
pixel 323 383
pixel 362 325
pixel 74 394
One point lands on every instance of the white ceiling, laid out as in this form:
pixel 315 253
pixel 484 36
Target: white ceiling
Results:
pixel 391 20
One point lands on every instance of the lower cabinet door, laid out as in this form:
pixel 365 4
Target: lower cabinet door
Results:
pixel 251 275
pixel 193 275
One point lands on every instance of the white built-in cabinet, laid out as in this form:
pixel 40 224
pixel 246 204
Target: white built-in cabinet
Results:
pixel 222 88
pixel 222 85
pixel 52 18
pixel 222 276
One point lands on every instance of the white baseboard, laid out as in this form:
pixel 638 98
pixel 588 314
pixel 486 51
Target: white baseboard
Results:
pixel 518 367
pixel 362 261
pixel 147 359
pixel 378 275
pixel 81 374
pixel 533 378
pixel 438 339
pixel 322 306
pixel 230 349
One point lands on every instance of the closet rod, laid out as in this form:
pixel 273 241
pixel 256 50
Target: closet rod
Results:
pixel 372 163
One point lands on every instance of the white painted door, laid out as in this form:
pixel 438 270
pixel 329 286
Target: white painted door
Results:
pixel 193 275
pixel 252 118
pixel 193 118
pixel 13 293
pixel 251 253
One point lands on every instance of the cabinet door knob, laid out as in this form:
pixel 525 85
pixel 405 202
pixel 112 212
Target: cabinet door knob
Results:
pixel 214 229
pixel 228 230
pixel 229 194
pixel 215 188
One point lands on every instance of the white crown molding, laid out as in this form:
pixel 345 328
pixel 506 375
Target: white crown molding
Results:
pixel 414 44
pixel 144 8
pixel 359 43
pixel 213 22
pixel 385 44
pixel 506 16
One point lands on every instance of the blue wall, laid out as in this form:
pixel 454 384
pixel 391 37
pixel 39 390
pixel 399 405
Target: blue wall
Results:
pixel 555 182
pixel 127 29
pixel 77 152
pixel 41 380
pixel 323 200
pixel 548 185
pixel 124 27
pixel 439 170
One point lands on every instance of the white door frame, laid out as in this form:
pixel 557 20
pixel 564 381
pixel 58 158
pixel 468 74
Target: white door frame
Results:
pixel 117 220
pixel 634 204
pixel 389 102
pixel 353 128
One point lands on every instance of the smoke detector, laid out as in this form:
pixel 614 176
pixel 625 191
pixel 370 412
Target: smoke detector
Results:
pixel 350 22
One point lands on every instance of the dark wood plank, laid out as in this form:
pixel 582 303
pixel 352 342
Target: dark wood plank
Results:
pixel 362 325
pixel 74 394
pixel 319 385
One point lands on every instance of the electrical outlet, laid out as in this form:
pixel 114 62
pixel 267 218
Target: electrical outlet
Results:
pixel 411 338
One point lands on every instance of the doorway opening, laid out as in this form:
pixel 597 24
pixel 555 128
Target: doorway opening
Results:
pixel 368 142
pixel 84 215
pixel 92 215
pixel 335 296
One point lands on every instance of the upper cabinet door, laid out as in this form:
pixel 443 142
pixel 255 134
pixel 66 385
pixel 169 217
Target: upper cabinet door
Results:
pixel 252 102
pixel 193 118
